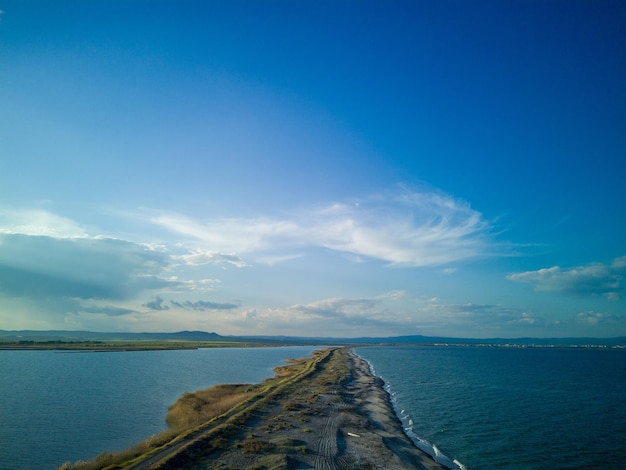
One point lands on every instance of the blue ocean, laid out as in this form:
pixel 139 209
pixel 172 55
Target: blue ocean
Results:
pixel 510 408
pixel 68 406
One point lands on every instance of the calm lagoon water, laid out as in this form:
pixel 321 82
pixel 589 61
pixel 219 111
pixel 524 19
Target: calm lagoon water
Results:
pixel 515 409
pixel 58 406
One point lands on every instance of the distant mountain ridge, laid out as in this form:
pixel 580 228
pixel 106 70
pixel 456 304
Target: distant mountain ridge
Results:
pixel 69 336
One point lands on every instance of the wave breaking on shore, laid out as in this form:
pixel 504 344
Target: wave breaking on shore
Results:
pixel 407 425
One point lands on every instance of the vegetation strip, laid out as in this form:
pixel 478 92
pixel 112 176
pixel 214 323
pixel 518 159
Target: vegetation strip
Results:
pixel 102 346
pixel 223 425
pixel 156 451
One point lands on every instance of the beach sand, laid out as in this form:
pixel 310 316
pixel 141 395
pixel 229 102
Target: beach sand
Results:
pixel 337 417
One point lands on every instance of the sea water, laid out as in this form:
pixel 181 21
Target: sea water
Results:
pixel 510 408
pixel 59 406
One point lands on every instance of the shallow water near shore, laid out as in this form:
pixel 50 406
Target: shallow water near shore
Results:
pixel 58 406
pixel 494 408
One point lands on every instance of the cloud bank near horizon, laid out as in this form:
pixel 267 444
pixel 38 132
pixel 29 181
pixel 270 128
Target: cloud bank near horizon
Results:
pixel 594 279
pixel 61 257
pixel 84 268
pixel 66 270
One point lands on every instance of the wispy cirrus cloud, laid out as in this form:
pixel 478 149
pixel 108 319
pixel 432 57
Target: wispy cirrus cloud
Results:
pixel 227 235
pixel 594 279
pixel 407 229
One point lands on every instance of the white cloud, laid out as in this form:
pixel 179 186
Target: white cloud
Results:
pixel 336 316
pixel 271 260
pixel 394 295
pixel 69 271
pixel 592 318
pixel 53 265
pixel 595 279
pixel 410 229
pixel 199 257
pixel 395 313
pixel 477 320
pixel 192 285
pixel 527 318
pixel 39 223
pixel 86 268
pixel 230 235
pixel 619 263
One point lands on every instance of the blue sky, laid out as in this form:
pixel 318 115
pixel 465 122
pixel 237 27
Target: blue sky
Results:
pixel 314 168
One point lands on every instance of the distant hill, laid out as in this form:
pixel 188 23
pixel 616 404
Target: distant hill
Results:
pixel 67 335
pixel 431 340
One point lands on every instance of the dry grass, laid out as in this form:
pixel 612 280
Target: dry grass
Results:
pixel 111 459
pixel 293 366
pixel 225 405
pixel 201 406
pixel 256 446
pixel 190 410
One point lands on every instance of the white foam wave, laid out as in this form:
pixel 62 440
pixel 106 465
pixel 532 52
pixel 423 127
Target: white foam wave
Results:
pixel 459 465
pixel 407 424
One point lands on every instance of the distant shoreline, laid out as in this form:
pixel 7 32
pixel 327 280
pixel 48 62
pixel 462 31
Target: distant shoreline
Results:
pixel 25 337
pixel 325 411
pixel 142 345
pixel 104 346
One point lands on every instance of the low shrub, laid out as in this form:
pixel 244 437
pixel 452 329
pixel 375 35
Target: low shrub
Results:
pixel 256 446
pixel 273 462
pixel 292 406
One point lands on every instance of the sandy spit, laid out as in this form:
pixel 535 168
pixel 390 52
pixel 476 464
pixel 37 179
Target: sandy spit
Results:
pixel 338 417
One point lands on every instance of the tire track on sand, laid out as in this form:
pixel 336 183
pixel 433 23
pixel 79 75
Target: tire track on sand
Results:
pixel 327 451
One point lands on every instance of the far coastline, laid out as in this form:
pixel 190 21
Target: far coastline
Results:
pixel 70 339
